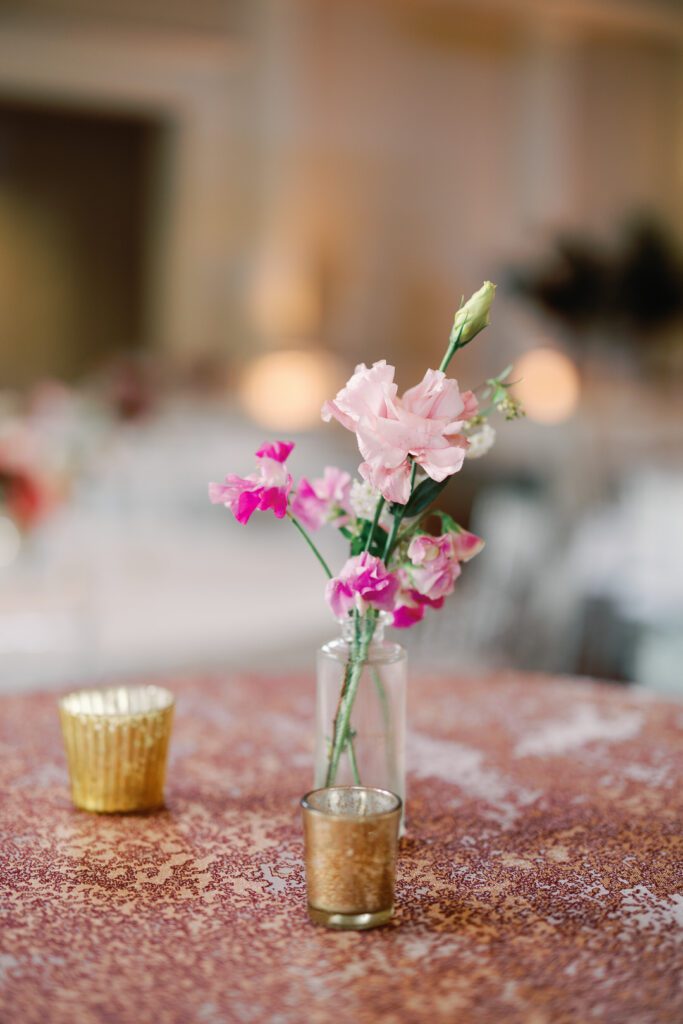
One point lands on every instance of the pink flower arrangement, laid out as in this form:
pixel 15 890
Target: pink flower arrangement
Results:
pixel 411 445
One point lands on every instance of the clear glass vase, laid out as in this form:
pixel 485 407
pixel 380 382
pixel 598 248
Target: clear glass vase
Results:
pixel 361 685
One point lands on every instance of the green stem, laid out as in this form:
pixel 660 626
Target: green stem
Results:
pixel 391 539
pixel 341 726
pixel 352 758
pixel 311 545
pixel 485 413
pixel 398 518
pixel 453 347
pixel 378 513
pixel 352 676
pixel 408 530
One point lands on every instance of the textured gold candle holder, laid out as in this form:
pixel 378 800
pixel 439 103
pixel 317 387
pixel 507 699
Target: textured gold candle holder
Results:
pixel 351 843
pixel 116 743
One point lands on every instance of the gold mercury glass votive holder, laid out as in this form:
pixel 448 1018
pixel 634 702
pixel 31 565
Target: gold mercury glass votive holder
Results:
pixel 116 743
pixel 351 844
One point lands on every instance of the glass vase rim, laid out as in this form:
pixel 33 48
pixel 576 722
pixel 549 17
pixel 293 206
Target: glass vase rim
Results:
pixel 383 618
pixel 373 816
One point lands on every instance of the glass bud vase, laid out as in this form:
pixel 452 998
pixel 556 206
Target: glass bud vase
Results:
pixel 375 669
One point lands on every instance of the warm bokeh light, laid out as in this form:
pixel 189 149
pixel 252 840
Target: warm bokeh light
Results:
pixel 285 390
pixel 548 385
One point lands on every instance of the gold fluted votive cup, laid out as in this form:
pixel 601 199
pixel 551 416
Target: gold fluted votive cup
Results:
pixel 116 742
pixel 351 845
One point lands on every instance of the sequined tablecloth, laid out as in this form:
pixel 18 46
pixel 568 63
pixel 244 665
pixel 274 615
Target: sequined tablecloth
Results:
pixel 541 879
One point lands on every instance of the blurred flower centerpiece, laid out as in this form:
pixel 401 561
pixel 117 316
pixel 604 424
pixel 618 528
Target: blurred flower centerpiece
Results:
pixel 27 489
pixel 411 446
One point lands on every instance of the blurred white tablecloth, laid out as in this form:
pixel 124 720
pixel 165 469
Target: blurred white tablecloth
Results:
pixel 139 573
pixel 158 598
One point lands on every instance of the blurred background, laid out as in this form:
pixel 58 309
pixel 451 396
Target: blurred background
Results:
pixel 211 211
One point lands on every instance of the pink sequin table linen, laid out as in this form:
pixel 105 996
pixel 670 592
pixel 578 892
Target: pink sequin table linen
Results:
pixel 541 880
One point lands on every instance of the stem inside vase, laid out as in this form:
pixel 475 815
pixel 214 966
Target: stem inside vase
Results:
pixel 360 708
pixel 342 737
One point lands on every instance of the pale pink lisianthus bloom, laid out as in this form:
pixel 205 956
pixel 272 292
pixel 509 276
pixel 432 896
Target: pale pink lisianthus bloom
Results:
pixel 364 582
pixel 426 423
pixel 267 488
pixel 325 500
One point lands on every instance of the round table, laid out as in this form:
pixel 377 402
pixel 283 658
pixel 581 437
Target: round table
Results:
pixel 540 880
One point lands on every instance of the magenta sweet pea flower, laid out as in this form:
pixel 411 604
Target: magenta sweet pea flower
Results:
pixel 278 451
pixel 431 573
pixel 364 582
pixel 426 423
pixel 267 488
pixel 325 500
pixel 407 615
pixel 466 545
pixel 410 603
pixel 434 566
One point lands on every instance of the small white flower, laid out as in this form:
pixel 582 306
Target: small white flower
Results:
pixel 482 440
pixel 363 501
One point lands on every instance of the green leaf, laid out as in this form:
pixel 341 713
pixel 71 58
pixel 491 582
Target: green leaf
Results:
pixel 378 541
pixel 357 545
pixel 423 495
pixel 448 524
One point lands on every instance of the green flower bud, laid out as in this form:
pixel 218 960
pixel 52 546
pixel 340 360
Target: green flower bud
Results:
pixel 474 315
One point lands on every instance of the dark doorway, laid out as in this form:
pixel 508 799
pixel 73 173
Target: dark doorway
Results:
pixel 74 212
